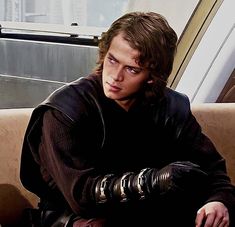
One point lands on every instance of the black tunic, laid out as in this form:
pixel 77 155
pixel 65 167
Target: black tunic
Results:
pixel 78 134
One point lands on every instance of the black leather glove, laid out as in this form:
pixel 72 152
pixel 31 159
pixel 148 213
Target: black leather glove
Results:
pixel 179 175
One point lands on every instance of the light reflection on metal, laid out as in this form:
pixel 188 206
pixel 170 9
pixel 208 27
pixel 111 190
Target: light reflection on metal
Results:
pixel 51 29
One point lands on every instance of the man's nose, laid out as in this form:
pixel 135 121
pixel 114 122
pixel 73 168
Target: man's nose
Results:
pixel 117 75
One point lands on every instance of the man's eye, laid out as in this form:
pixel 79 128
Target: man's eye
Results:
pixel 111 60
pixel 133 70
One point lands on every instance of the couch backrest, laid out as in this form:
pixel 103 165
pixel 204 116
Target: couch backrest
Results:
pixel 13 197
pixel 218 122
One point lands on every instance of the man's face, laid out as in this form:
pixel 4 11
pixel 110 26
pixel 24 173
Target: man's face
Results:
pixel 122 75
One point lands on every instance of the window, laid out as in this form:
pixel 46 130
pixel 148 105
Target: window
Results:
pixel 42 53
pixel 83 12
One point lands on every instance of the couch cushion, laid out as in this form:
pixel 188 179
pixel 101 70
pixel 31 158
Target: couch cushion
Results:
pixel 218 122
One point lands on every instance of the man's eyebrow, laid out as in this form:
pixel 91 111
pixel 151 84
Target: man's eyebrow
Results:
pixel 111 55
pixel 130 66
pixel 136 67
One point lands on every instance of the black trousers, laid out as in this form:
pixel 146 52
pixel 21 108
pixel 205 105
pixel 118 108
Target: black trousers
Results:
pixel 165 211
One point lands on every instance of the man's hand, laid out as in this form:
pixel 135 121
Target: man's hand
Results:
pixel 183 176
pixel 212 214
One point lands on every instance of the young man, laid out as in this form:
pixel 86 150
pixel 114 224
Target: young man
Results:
pixel 119 148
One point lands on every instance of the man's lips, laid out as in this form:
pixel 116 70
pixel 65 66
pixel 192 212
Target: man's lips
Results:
pixel 113 87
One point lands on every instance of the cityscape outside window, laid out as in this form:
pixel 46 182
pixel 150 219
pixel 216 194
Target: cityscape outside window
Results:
pixel 83 12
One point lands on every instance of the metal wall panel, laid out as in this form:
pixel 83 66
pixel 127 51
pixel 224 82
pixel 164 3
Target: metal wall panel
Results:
pixel 30 70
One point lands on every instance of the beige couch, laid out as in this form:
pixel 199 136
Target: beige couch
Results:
pixel 217 120
pixel 13 197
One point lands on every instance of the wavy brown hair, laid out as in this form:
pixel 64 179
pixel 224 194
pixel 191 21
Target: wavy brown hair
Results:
pixel 152 36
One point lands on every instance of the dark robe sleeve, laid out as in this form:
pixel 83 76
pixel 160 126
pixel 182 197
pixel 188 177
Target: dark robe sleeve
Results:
pixel 67 159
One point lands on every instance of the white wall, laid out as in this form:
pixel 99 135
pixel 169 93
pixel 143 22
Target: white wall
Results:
pixel 176 12
pixel 213 60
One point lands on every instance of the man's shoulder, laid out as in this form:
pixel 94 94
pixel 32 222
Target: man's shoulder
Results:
pixel 176 105
pixel 176 101
pixel 80 87
pixel 175 108
pixel 175 96
pixel 71 98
